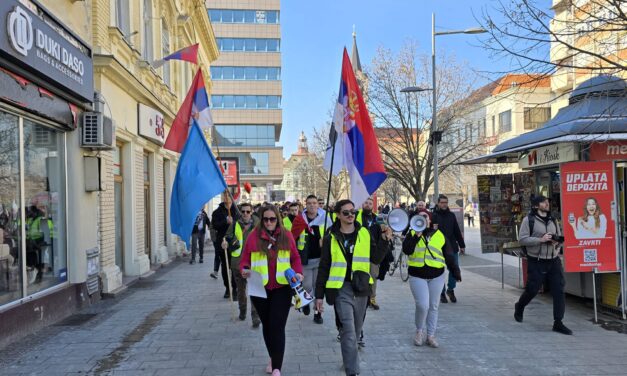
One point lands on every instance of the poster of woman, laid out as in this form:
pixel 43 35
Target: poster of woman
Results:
pixel 592 224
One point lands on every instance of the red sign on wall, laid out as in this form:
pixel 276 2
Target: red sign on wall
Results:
pixel 588 208
pixel 230 170
pixel 608 151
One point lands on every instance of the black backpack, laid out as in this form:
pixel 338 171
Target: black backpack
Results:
pixel 532 220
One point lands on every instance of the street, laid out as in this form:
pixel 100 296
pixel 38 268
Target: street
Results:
pixel 177 323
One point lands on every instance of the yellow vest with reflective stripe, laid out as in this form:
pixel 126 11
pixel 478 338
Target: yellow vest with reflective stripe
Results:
pixel 434 257
pixel 239 235
pixel 302 239
pixel 259 264
pixel 361 259
pixel 359 217
pixel 287 223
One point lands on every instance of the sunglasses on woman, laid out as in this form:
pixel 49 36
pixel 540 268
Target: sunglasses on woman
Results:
pixel 269 219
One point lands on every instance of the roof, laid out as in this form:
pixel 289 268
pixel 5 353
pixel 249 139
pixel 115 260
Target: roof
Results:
pixel 527 80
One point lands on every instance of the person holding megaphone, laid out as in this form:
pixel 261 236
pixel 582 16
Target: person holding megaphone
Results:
pixel 270 250
pixel 429 253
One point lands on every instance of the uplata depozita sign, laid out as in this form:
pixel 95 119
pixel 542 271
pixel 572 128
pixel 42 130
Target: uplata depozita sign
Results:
pixel 37 42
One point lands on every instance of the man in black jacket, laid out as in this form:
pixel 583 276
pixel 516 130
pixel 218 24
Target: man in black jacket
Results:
pixel 221 219
pixel 198 236
pixel 447 223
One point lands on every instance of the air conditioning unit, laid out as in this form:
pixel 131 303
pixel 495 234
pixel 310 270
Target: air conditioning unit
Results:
pixel 98 131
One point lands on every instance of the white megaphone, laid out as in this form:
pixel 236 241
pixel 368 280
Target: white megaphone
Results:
pixel 301 296
pixel 418 223
pixel 397 220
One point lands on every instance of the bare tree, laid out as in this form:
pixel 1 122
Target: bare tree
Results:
pixel 403 121
pixel 393 190
pixel 574 36
pixel 340 183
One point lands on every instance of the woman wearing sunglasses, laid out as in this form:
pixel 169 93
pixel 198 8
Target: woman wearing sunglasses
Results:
pixel 270 250
pixel 429 253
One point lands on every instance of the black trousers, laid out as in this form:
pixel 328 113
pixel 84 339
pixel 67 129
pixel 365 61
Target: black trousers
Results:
pixel 273 312
pixel 551 271
pixel 223 260
pixel 198 243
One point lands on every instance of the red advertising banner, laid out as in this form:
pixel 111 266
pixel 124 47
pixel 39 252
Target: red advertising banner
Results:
pixel 608 151
pixel 230 170
pixel 587 216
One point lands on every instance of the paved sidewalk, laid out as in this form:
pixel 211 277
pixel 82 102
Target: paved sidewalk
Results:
pixel 177 323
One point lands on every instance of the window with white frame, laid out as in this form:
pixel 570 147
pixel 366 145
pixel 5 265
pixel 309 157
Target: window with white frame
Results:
pixel 147 47
pixel 122 18
pixel 165 51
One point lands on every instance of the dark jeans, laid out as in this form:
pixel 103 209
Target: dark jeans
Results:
pixel 539 271
pixel 198 242
pixel 452 282
pixel 273 312
pixel 223 260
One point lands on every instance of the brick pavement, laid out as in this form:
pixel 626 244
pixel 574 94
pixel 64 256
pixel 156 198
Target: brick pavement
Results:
pixel 177 323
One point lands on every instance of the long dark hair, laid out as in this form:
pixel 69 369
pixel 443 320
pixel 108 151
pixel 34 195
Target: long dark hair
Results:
pixel 282 240
pixel 596 214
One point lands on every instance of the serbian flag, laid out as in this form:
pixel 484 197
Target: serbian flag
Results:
pixel 356 145
pixel 186 54
pixel 194 107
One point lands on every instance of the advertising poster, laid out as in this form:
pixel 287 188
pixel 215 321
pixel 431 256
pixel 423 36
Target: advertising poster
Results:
pixel 230 170
pixel 495 211
pixel 588 208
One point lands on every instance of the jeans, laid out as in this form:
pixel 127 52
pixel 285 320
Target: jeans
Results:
pixel 542 270
pixel 350 313
pixel 374 273
pixel 223 260
pixel 427 297
pixel 198 242
pixel 452 282
pixel 273 312
pixel 240 282
pixel 310 272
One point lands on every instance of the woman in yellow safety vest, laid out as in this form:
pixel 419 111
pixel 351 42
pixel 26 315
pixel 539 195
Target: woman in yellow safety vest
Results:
pixel 429 254
pixel 270 250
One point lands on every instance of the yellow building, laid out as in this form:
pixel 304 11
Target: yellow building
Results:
pixel 137 175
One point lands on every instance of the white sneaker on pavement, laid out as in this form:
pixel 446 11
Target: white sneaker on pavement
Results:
pixel 419 339
pixel 431 341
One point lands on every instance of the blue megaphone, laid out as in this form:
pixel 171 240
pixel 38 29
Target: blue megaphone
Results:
pixel 301 296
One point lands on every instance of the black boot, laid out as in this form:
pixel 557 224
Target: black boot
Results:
pixel 518 313
pixel 451 296
pixel 559 327
pixel 443 298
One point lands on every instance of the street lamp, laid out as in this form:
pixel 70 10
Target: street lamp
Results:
pixel 436 136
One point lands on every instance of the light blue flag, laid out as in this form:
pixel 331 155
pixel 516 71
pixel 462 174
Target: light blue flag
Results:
pixel 198 179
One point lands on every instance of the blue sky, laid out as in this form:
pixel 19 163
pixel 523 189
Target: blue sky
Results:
pixel 315 32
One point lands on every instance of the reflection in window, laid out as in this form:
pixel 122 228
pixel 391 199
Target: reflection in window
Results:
pixel 505 121
pixel 46 258
pixel 246 73
pixel 246 101
pixel 249 44
pixel 252 163
pixel 243 135
pixel 536 116
pixel 244 16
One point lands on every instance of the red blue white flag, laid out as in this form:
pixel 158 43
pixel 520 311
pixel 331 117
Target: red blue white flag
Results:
pixel 194 107
pixel 186 54
pixel 356 145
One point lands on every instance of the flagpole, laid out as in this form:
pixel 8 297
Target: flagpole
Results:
pixel 334 136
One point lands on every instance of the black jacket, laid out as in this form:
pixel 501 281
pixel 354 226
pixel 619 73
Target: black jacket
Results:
pixel 219 223
pixel 378 250
pixel 447 223
pixel 205 223
pixel 427 272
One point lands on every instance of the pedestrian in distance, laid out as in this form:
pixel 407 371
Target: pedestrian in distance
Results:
pixel 344 276
pixel 233 242
pixel 541 236
pixel 221 219
pixel 429 253
pixel 270 250
pixel 446 222
pixel 469 213
pixel 201 224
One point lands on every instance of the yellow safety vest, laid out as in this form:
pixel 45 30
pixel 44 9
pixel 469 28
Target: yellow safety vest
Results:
pixel 359 217
pixel 287 223
pixel 34 229
pixel 432 257
pixel 239 235
pixel 361 259
pixel 259 264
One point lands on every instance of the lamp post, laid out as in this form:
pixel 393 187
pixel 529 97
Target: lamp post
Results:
pixel 436 135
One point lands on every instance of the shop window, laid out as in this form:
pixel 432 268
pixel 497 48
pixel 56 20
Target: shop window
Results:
pixel 44 192
pixel 536 116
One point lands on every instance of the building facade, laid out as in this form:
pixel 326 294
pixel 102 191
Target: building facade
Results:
pixel 246 94
pixel 142 101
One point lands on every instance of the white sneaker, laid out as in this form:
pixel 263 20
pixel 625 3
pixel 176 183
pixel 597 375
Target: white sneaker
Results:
pixel 419 339
pixel 431 341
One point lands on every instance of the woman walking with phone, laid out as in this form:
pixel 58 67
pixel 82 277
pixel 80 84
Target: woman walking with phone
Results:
pixel 270 250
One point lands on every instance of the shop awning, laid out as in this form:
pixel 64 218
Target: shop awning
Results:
pixel 597 112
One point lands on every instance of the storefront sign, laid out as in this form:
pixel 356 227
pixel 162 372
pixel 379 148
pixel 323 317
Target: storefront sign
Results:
pixel 588 216
pixel 38 43
pixel 550 155
pixel 230 170
pixel 151 123
pixel 608 151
